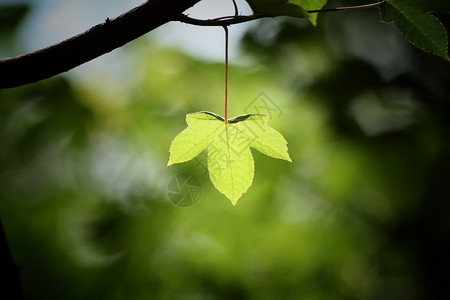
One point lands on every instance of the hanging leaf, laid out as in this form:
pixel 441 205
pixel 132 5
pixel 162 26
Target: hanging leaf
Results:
pixel 230 161
pixel 291 8
pixel 420 27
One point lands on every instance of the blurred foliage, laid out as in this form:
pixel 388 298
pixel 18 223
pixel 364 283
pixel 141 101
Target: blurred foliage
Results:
pixel 362 213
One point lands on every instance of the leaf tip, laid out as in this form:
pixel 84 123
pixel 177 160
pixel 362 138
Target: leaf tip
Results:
pixel 234 200
pixel 231 196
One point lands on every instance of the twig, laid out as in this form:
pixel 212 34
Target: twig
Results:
pixel 356 7
pixel 236 10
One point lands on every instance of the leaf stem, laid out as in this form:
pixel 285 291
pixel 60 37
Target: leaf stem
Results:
pixel 356 7
pixel 225 28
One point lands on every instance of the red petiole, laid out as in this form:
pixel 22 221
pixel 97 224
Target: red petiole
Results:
pixel 226 74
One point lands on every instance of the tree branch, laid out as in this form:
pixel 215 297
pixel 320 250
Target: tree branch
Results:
pixel 98 40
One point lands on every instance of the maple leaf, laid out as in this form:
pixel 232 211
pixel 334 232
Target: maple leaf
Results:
pixel 230 161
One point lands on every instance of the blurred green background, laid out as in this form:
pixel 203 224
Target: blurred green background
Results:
pixel 362 212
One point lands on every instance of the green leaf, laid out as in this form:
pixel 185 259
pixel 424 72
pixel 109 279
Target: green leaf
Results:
pixel 291 8
pixel 415 20
pixel 230 161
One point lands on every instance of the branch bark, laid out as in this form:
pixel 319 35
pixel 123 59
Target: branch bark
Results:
pixel 98 40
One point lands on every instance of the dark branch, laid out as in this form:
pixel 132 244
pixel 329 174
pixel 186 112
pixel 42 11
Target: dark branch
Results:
pixel 84 47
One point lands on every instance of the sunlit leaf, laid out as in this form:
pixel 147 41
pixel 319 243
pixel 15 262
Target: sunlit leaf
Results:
pixel 230 162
